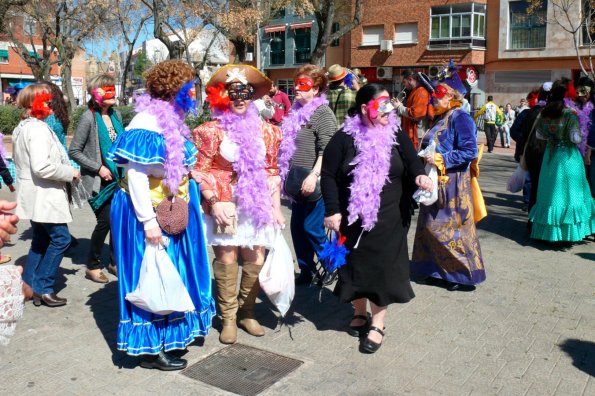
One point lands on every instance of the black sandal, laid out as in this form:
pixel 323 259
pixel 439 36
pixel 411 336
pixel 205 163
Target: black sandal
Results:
pixel 358 331
pixel 369 346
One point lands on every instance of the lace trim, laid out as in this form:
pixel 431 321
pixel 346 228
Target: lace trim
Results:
pixel 11 302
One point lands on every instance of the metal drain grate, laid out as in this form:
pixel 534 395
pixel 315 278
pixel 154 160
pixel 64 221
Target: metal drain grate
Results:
pixel 242 369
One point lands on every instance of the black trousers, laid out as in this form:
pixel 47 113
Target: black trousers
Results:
pixel 102 228
pixel 491 135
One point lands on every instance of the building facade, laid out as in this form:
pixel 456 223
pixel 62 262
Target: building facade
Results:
pixel 524 51
pixel 423 35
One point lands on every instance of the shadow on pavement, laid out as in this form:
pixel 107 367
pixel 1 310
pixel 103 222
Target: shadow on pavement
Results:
pixel 104 306
pixel 582 353
pixel 587 256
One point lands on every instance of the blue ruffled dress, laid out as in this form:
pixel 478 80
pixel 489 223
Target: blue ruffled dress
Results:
pixel 139 331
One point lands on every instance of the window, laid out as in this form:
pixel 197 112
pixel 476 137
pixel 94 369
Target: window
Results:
pixel 277 48
pixel 302 45
pixel 372 35
pixel 458 25
pixel 287 86
pixel 336 27
pixel 527 30
pixel 406 33
pixel 29 26
pixel 588 29
pixel 3 53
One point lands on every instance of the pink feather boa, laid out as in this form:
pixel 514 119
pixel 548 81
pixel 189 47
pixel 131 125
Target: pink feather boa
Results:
pixel 292 124
pixel 584 119
pixel 254 198
pixel 372 163
pixel 175 132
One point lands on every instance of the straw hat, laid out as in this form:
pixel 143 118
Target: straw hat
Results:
pixel 336 72
pixel 244 74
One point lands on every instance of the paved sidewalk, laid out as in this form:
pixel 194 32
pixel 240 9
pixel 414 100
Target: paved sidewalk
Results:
pixel 529 330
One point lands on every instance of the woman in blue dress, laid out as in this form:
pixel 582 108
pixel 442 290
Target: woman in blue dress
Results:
pixel 157 157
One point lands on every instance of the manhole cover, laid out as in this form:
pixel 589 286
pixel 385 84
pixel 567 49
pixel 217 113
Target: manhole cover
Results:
pixel 242 369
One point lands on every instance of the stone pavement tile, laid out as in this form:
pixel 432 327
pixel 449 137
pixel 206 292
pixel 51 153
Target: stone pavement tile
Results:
pixel 541 368
pixel 543 387
pixel 515 366
pixel 485 373
pixel 460 373
pixel 512 386
pixel 438 357
pixel 590 388
pixel 571 387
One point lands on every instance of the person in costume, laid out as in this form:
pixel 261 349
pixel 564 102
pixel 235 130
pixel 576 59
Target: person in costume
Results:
pixel 446 249
pixel 58 121
pixel 237 163
pixel 95 133
pixel 43 171
pixel 417 111
pixel 157 157
pixel 363 174
pixel 579 100
pixel 565 209
pixel 306 132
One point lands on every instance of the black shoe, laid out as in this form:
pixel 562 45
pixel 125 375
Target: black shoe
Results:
pixel 460 287
pixel 163 362
pixel 304 278
pixel 369 346
pixel 361 330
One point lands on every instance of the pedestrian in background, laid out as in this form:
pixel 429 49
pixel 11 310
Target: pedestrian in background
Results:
pixel 281 104
pixel 340 97
pixel 306 132
pixel 565 209
pixel 490 111
pixel 417 112
pixel 446 250
pixel 43 171
pixel 509 116
pixel 365 167
pixel 95 133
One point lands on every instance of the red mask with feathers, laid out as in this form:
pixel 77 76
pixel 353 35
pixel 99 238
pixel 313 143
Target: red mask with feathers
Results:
pixel 217 97
pixel 39 107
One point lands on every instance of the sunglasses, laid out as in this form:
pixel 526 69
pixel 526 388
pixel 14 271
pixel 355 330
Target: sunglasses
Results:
pixel 241 92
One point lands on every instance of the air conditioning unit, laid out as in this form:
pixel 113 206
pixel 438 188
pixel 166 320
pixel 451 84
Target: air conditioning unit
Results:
pixel 434 70
pixel 249 57
pixel 384 73
pixel 386 45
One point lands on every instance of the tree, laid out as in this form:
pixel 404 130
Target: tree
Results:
pixel 577 18
pixel 141 65
pixel 5 5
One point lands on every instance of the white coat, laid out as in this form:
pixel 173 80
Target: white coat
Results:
pixel 41 174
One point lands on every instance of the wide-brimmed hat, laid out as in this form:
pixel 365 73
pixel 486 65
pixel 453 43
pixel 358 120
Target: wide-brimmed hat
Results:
pixel 336 72
pixel 244 74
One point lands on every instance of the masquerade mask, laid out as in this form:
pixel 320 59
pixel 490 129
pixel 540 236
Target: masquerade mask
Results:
pixel 39 106
pixel 239 91
pixel 304 84
pixel 583 91
pixel 186 97
pixel 381 104
pixel 439 92
pixel 102 93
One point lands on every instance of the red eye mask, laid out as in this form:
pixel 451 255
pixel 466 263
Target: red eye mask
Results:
pixel 39 106
pixel 304 84
pixel 439 92
pixel 105 92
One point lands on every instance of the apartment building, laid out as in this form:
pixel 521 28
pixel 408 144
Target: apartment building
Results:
pixel 423 35
pixel 524 50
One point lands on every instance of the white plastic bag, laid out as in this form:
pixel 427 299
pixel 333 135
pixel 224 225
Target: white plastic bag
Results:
pixel 423 197
pixel 516 181
pixel 160 288
pixel 276 277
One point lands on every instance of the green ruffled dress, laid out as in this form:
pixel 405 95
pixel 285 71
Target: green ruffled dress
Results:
pixel 565 209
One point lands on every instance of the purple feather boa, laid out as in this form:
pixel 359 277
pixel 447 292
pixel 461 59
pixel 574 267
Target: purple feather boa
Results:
pixel 584 119
pixel 372 164
pixel 173 128
pixel 292 124
pixel 254 198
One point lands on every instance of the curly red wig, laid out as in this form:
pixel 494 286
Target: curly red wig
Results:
pixel 166 78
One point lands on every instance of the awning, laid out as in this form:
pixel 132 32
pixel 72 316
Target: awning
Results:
pixel 301 25
pixel 274 28
pixel 3 53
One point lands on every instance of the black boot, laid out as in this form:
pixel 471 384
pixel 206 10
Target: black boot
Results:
pixel 163 361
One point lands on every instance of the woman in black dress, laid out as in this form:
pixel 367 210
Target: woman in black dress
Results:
pixel 363 177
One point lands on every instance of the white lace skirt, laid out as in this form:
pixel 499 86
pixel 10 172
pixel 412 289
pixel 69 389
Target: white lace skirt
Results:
pixel 246 235
pixel 11 301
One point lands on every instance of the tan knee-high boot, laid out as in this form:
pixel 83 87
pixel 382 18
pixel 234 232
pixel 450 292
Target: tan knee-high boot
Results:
pixel 249 288
pixel 226 277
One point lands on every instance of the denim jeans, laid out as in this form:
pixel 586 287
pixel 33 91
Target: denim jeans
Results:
pixel 50 242
pixel 307 232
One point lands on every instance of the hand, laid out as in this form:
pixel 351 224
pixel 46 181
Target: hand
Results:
pixel 333 222
pixel 424 182
pixel 309 185
pixel 396 102
pixel 430 159
pixel 267 100
pixel 221 216
pixel 587 158
pixel 76 176
pixel 8 221
pixel 11 188
pixel 278 217
pixel 153 236
pixel 196 176
pixel 105 173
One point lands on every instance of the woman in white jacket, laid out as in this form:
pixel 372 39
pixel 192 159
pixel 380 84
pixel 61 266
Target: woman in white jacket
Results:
pixel 43 171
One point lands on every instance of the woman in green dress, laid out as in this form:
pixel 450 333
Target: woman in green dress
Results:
pixel 565 210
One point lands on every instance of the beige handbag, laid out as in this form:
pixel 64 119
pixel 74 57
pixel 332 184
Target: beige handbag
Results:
pixel 228 207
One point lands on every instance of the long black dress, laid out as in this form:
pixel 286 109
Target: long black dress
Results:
pixel 379 268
